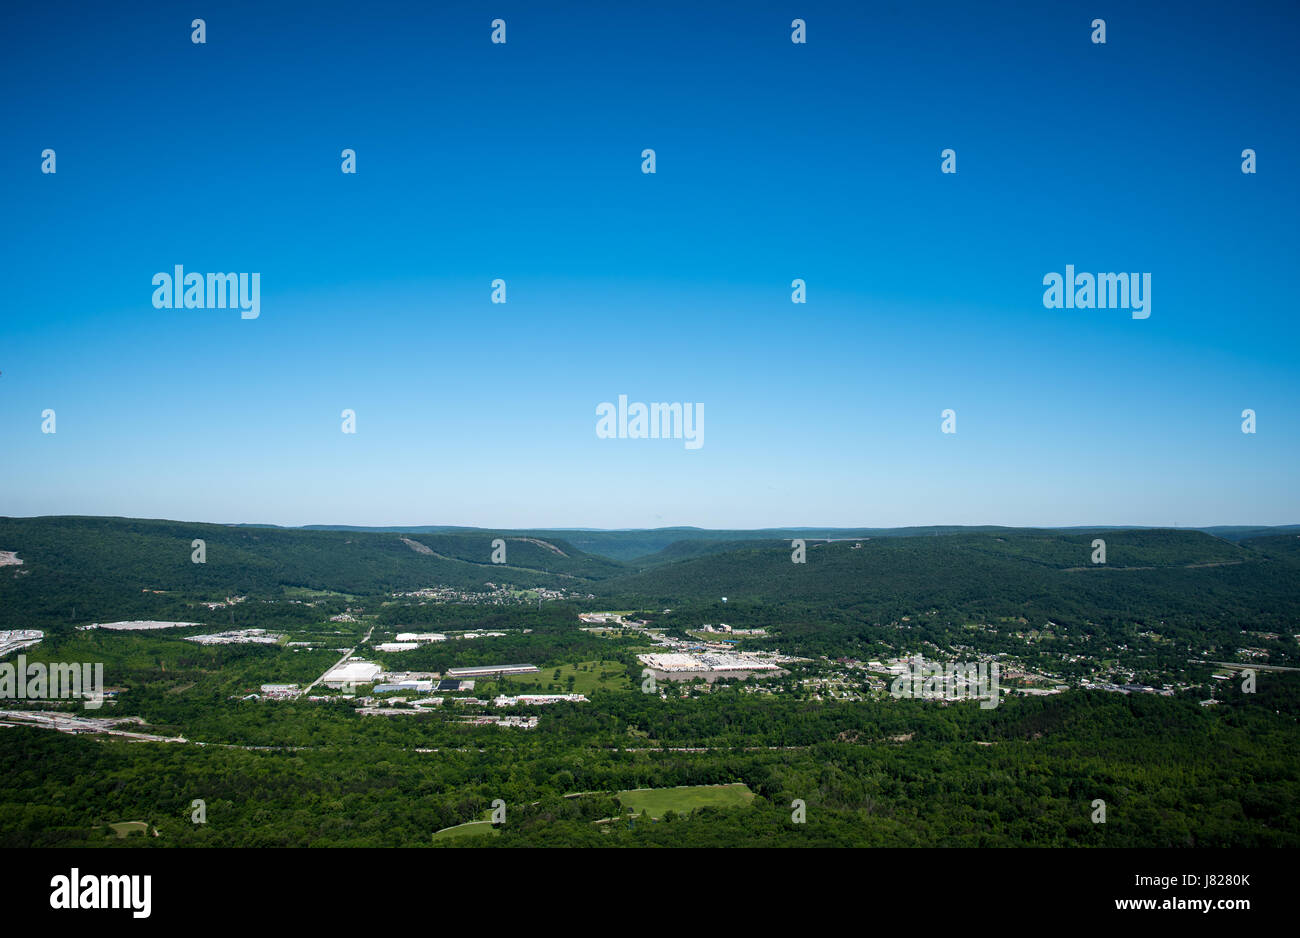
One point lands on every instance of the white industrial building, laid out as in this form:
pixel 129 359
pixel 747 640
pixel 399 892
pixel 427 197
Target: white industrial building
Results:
pixel 488 671
pixel 420 687
pixel 352 672
pixel 535 699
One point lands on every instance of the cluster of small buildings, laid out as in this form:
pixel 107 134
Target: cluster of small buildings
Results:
pixel 15 639
pixel 1126 688
pixel 723 627
pixel 237 637
pixel 406 641
pixel 420 685
pixel 229 601
pixel 710 665
pixel 537 699
pixel 396 707
pixel 279 691
pixel 610 618
pixel 496 595
pixel 355 671
pixel 524 723
pixel 688 660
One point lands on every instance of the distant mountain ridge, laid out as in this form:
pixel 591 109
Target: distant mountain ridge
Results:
pixel 648 545
pixel 83 568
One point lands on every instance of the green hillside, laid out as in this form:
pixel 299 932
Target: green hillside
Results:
pixel 981 590
pixel 104 567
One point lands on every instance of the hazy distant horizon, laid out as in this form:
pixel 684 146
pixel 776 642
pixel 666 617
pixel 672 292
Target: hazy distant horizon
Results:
pixel 666 527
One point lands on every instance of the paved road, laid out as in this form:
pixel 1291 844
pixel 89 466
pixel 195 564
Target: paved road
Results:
pixel 1242 666
pixel 351 651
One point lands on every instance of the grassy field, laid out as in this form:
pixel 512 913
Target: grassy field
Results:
pixel 302 592
pixel 588 676
pixel 718 637
pixel 685 799
pixel 472 829
pixel 122 828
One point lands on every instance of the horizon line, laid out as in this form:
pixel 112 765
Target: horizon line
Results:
pixel 669 527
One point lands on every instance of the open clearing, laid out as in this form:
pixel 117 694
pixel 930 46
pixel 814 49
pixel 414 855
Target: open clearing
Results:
pixel 598 675
pixel 471 829
pixel 302 592
pixel 687 798
pixel 715 637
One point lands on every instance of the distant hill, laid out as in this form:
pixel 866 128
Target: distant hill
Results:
pixel 651 545
pixel 97 564
pixel 1241 533
pixel 1187 583
pixel 113 566
pixel 765 569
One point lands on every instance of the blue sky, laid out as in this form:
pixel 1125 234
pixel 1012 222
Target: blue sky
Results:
pixel 775 161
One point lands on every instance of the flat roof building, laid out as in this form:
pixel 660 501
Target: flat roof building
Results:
pixel 420 687
pixel 493 669
pixel 352 672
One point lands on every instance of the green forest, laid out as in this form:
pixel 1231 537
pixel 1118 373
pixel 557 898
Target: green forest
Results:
pixel 871 771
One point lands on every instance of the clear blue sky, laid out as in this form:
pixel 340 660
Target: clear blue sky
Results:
pixel 775 161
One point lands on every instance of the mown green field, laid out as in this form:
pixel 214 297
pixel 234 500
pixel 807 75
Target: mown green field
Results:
pixel 588 676
pixel 300 592
pixel 719 637
pixel 683 800
pixel 472 829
